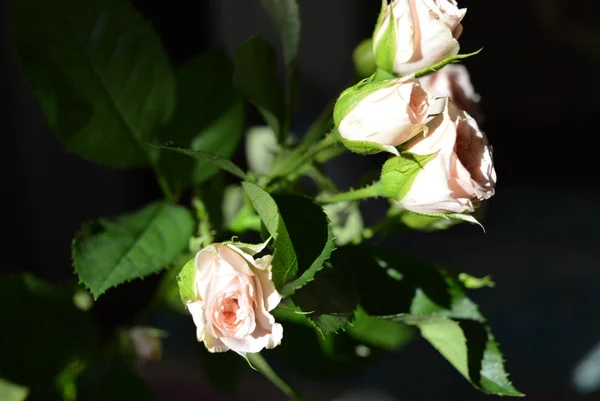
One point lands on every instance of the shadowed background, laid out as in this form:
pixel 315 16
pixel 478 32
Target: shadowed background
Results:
pixel 535 76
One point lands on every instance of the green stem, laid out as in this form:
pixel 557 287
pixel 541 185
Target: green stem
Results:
pixel 301 155
pixel 322 125
pixel 263 367
pixel 162 182
pixel 204 228
pixel 358 194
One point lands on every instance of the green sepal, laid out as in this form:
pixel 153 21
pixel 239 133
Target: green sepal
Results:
pixel 385 48
pixel 455 216
pixel 250 249
pixel 443 63
pixel 186 281
pixel 368 148
pixel 473 282
pixel 399 173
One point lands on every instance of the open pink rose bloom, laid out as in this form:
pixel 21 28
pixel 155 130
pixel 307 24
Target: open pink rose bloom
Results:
pixel 234 295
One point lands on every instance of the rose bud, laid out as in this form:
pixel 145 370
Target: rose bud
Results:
pixel 230 295
pixel 378 116
pixel 460 172
pixel 453 80
pixel 412 35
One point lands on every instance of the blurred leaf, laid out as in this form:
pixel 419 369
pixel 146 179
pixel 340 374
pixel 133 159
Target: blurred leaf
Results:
pixel 346 221
pixel 102 76
pixel 209 117
pixel 107 253
pixel 12 392
pixel 238 214
pixel 261 149
pixel 210 158
pixel 364 59
pixel 286 17
pixel 303 237
pixel 255 72
pixel 42 332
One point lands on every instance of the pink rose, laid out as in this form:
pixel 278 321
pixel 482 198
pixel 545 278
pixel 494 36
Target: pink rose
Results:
pixel 386 114
pixel 425 33
pixel 233 296
pixel 462 172
pixel 453 80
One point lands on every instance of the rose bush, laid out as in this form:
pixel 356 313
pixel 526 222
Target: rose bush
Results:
pixel 412 35
pixel 232 297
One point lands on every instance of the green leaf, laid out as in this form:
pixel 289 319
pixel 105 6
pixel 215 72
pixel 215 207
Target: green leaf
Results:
pixel 286 17
pixel 212 159
pixel 379 333
pixel 397 287
pixel 470 347
pixel 104 80
pixel 209 117
pixel 12 392
pixel 42 332
pixel 261 149
pixel 443 63
pixel 399 173
pixel 331 300
pixel 107 253
pixel 285 263
pixel 303 237
pixel 254 75
pixel 311 235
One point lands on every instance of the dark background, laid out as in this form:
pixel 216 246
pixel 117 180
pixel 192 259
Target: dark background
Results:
pixel 537 75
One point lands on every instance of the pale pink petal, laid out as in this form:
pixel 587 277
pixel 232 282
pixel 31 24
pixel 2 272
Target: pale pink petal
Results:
pixel 270 295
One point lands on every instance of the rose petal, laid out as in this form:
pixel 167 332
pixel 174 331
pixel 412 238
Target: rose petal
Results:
pixel 270 295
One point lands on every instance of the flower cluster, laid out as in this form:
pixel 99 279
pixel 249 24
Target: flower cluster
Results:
pixel 410 107
pixel 396 112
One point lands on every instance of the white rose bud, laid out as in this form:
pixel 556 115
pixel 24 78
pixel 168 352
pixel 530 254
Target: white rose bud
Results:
pixel 230 295
pixel 453 81
pixel 412 35
pixel 378 116
pixel 461 172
